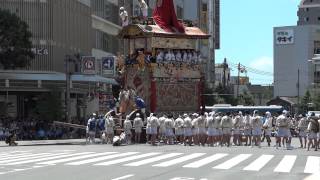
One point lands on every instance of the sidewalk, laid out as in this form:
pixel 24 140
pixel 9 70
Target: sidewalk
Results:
pixel 47 142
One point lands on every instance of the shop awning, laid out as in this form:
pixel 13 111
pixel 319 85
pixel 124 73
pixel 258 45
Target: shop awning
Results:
pixel 53 76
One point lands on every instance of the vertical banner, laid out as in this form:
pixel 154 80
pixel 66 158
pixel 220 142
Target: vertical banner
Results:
pixel 108 65
pixel 88 65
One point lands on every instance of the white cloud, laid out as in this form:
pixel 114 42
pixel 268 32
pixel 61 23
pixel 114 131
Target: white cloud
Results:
pixel 262 63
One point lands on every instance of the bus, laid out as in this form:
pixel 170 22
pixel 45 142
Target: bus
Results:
pixel 228 108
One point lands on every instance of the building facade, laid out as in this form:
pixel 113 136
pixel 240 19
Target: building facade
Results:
pixel 79 28
pixel 294 46
pixel 309 12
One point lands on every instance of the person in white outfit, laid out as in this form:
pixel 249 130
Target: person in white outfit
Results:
pixel 162 128
pixel 237 120
pixel 127 126
pixel 313 129
pixel 211 130
pixel 267 127
pixel 302 128
pixel 226 125
pixel 202 129
pixel 256 124
pixel 137 124
pixel 217 125
pixel 195 129
pixel 143 9
pixel 109 124
pixel 282 123
pixel 124 17
pixel 178 125
pixel 247 129
pixel 154 123
pixel 169 123
pixel 91 128
pixel 187 130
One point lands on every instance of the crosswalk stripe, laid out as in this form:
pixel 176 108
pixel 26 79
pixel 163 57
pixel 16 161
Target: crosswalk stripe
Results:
pixel 233 162
pixel 11 155
pixel 259 163
pixel 205 161
pixel 49 158
pixel 102 158
pixel 286 164
pixel 35 156
pixel 17 156
pixel 154 159
pixel 117 161
pixel 312 165
pixel 179 160
pixel 75 158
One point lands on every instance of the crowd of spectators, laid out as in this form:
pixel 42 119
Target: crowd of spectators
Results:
pixel 35 129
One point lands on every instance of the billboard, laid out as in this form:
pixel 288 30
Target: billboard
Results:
pixel 284 36
pixel 88 65
pixel 108 65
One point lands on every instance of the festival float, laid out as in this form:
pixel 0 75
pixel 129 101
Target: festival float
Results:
pixel 162 63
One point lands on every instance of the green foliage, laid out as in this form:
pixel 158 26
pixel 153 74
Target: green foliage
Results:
pixel 226 95
pixel 246 99
pixel 15 41
pixel 305 101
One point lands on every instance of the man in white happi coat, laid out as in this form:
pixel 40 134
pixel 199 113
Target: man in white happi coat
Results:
pixel 211 130
pixel 313 130
pixel 178 125
pixel 187 130
pixel 226 125
pixel 154 123
pixel 217 125
pixel 91 128
pixel 169 123
pixel 247 128
pixel 137 124
pixel 195 129
pixel 124 17
pixel 282 123
pixel 162 128
pixel 256 124
pixel 202 129
pixel 267 127
pixel 127 127
pixel 302 128
pixel 109 131
pixel 237 120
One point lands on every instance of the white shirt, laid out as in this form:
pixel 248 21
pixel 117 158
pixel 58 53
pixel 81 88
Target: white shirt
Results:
pixel 256 122
pixel 169 123
pixel 127 125
pixel 187 122
pixel 124 18
pixel 137 122
pixel 178 124
pixel 154 122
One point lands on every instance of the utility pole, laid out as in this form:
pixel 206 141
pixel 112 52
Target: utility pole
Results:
pixel 225 65
pixel 298 90
pixel 67 95
pixel 238 83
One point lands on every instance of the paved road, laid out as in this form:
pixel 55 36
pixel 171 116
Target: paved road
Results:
pixel 144 162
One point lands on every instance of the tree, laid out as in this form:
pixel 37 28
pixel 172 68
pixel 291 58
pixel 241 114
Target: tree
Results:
pixel 15 41
pixel 304 102
pixel 246 99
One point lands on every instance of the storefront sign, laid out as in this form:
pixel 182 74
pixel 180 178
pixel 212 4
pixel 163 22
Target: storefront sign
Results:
pixel 88 65
pixel 40 51
pixel 285 36
pixel 108 65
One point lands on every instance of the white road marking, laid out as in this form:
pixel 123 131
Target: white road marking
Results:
pixel 117 161
pixel 259 163
pixel 312 165
pixel 179 160
pixel 24 158
pixel 233 162
pixel 19 156
pixel 124 177
pixel 3 173
pixel 75 158
pixel 205 161
pixel 49 158
pixel 101 158
pixel 154 159
pixel 286 164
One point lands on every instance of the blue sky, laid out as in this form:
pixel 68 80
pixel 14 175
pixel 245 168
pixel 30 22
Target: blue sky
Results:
pixel 247 32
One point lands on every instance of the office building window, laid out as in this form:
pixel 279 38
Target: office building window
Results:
pixel 306 19
pixel 318 18
pixel 316 47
